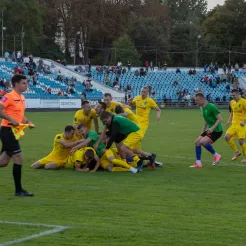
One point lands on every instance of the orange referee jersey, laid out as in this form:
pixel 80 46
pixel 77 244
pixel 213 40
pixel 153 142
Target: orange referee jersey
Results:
pixel 14 107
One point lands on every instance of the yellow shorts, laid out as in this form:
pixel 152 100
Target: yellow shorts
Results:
pixel 133 139
pixel 144 127
pixel 236 131
pixel 76 157
pixel 52 159
pixel 104 160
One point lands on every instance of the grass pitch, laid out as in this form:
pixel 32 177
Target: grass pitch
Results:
pixel 174 206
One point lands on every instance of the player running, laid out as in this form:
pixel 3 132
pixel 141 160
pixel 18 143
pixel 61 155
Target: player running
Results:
pixel 238 120
pixel 62 145
pixel 211 131
pixel 86 115
pixel 144 104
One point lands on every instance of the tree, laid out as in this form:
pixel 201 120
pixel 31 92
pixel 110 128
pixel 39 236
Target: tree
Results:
pixel 124 50
pixel 23 15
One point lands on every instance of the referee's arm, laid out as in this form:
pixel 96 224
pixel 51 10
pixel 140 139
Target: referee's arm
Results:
pixel 6 117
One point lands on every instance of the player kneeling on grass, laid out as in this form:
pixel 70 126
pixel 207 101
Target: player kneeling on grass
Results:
pixel 82 160
pixel 110 160
pixel 121 125
pixel 62 145
pixel 211 132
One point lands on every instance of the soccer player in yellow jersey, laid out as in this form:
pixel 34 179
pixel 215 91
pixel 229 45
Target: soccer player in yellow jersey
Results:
pixel 144 104
pixel 82 158
pixel 238 120
pixel 107 98
pixel 86 115
pixel 58 157
pixel 126 112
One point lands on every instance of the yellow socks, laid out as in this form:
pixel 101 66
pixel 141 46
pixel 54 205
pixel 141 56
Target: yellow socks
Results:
pixel 232 145
pixel 244 149
pixel 121 163
pixel 120 169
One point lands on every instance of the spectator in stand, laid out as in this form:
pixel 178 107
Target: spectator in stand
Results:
pixel 224 68
pixel 129 65
pixel 26 61
pixel 194 71
pixel 19 56
pixel 142 72
pixel 13 57
pixel 147 66
pixel 89 66
pixel 59 76
pixel 6 56
pixel 216 67
pixel 236 67
pixel 165 100
pixel 217 99
pixel 205 68
pixel 83 96
pixel 178 70
pixel 64 62
pixel 136 73
pixel 128 88
pixel 175 83
pixel 60 93
pixel 190 72
pixel 123 71
pixel 35 78
pixel 214 84
pixel 152 66
pixel 224 98
pixel 159 65
pixel 165 65
pixel 72 91
pixel 49 90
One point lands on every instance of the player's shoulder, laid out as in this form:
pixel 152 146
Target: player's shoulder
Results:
pixel 59 136
pixel 137 98
pixel 93 112
pixel 79 111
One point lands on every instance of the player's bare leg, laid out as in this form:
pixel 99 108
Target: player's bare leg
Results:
pixel 18 160
pixel 135 157
pixel 36 165
pixel 243 147
pixel 4 159
pixel 51 166
pixel 230 141
pixel 198 147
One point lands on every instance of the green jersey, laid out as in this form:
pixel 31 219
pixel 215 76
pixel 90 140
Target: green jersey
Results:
pixel 209 113
pixel 126 125
pixel 94 138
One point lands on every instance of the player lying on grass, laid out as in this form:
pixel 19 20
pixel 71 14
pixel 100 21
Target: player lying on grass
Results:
pixel 211 131
pixel 83 159
pixel 62 145
pixel 110 160
pixel 237 120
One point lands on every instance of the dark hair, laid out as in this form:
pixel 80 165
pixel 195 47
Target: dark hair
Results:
pixel 105 115
pixel 103 104
pixel 89 153
pixel 235 91
pixel 16 79
pixel 119 109
pixel 199 94
pixel 69 128
pixel 85 102
pixel 107 95
pixel 80 126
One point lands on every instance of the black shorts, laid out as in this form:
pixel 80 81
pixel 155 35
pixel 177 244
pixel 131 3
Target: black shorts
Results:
pixel 214 136
pixel 9 143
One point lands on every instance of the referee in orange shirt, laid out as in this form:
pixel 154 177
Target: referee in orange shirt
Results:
pixel 12 109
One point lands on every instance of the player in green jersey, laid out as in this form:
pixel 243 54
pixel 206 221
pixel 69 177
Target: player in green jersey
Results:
pixel 211 131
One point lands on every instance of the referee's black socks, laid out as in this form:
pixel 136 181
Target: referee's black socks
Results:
pixel 17 177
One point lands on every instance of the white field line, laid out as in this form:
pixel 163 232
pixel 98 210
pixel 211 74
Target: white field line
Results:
pixel 221 163
pixel 55 229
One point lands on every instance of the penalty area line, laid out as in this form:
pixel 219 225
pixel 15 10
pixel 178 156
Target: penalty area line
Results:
pixel 55 229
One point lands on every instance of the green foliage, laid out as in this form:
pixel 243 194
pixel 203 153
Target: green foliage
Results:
pixel 124 50
pixel 27 14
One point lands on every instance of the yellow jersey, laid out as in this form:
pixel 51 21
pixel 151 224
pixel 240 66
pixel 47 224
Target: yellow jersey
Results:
pixel 143 107
pixel 81 118
pixel 111 108
pixel 59 151
pixel 78 156
pixel 239 111
pixel 131 116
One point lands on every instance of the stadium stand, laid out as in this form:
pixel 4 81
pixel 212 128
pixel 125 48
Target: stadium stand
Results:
pixel 46 81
